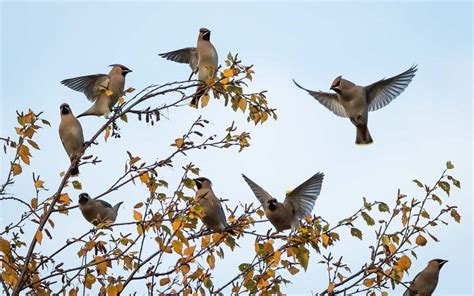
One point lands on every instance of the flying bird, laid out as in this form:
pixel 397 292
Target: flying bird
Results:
pixel 202 59
pixel 214 217
pixel 297 205
pixel 426 281
pixel 97 211
pixel 102 89
pixel 354 101
pixel 72 137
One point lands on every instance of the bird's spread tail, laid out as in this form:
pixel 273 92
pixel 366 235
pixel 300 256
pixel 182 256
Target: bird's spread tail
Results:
pixel 363 135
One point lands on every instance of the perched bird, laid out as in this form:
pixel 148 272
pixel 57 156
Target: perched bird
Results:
pixel 202 60
pixel 102 89
pixel 297 205
pixel 426 281
pixel 355 102
pixel 70 132
pixel 214 217
pixel 97 211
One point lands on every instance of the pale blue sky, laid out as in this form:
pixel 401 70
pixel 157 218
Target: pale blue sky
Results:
pixel 430 123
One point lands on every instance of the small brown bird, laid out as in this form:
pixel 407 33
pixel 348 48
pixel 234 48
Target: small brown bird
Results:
pixel 97 211
pixel 70 132
pixel 426 281
pixel 214 216
pixel 102 89
pixel 297 205
pixel 355 102
pixel 202 59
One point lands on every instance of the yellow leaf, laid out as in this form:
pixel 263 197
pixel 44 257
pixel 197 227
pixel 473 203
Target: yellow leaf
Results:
pixel 144 178
pixel 177 247
pixel 206 241
pixel 101 265
pixel 404 262
pixel 228 73
pixel 384 293
pixel 243 104
pixel 108 92
pixel 39 236
pixel 325 239
pixel 179 142
pixel 189 251
pixel 330 288
pixel 177 224
pixel 204 100
pixel 276 257
pixel 90 279
pixel 211 261
pixel 391 248
pixel 39 184
pixel 164 281
pixel 64 199
pixel 124 117
pixel 121 100
pixel 368 282
pixel 137 215
pixel 264 116
pixel 421 240
pixel 112 290
pixel 73 292
pixel 4 246
pixel 34 203
pixel 16 169
pixel 77 185
pixel 185 268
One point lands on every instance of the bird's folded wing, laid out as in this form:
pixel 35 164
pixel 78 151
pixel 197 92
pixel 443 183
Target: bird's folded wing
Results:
pixel 104 203
pixel 188 55
pixel 262 195
pixel 381 93
pixel 328 100
pixel 90 85
pixel 304 196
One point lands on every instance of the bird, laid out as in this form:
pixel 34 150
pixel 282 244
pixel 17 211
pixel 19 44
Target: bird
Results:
pixel 202 59
pixel 297 205
pixel 354 101
pixel 214 217
pixel 102 89
pixel 72 137
pixel 426 281
pixel 97 211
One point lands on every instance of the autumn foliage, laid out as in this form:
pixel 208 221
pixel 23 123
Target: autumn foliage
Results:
pixel 184 255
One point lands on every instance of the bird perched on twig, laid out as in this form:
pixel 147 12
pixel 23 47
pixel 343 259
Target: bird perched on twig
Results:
pixel 426 281
pixel 354 101
pixel 97 211
pixel 202 59
pixel 214 216
pixel 297 205
pixel 102 89
pixel 72 137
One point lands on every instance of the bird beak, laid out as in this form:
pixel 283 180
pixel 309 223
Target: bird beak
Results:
pixel 442 263
pixel 198 183
pixel 127 71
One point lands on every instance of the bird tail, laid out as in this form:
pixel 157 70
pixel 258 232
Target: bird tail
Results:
pixel 117 206
pixel 199 93
pixel 75 171
pixel 363 135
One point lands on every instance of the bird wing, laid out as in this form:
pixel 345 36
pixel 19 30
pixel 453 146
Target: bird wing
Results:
pixel 382 92
pixel 328 100
pixel 188 55
pixel 90 85
pixel 304 196
pixel 262 195
pixel 104 203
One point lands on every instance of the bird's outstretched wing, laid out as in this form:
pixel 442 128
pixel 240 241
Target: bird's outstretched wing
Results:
pixel 90 85
pixel 188 55
pixel 304 196
pixel 262 195
pixel 328 100
pixel 382 92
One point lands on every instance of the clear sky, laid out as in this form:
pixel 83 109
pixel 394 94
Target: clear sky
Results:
pixel 428 124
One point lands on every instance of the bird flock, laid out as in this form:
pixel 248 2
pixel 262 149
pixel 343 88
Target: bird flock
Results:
pixel 348 100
